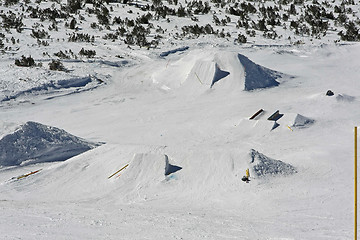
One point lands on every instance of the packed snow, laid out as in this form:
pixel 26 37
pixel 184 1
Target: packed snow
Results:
pixel 152 143
pixel 184 151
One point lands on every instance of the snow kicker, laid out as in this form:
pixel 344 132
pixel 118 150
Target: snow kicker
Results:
pixel 213 69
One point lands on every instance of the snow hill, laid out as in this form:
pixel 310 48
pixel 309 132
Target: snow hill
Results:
pixel 33 143
pixel 202 70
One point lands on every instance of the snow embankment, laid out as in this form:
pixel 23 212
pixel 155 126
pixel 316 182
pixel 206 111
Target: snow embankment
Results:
pixel 35 143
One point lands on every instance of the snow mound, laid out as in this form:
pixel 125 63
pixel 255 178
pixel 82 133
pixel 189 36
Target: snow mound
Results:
pixel 302 121
pixel 35 143
pixel 265 166
pixel 201 70
pixel 295 120
pixel 147 168
pixel 207 72
pixel 257 76
pixel 344 98
pixel 146 175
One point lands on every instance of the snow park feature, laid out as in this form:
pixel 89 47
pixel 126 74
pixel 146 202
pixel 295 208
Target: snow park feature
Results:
pixel 202 70
pixel 160 93
pixel 257 76
pixel 37 143
pixel 264 166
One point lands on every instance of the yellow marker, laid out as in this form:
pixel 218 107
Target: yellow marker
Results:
pixel 247 173
pixel 289 127
pixel 118 170
pixel 198 78
pixel 28 174
pixel 355 183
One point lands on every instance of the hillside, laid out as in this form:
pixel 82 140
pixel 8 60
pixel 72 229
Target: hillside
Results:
pixel 51 46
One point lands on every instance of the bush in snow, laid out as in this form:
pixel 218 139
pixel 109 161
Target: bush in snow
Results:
pixel 74 5
pixel 87 53
pixel 351 34
pixel 62 55
pixel 11 20
pixel 25 61
pixel 11 2
pixel 39 34
pixel 56 65
pixel 72 24
pixel 241 38
pixel 81 37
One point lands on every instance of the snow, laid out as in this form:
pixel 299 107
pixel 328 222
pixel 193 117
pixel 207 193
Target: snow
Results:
pixel 36 143
pixel 205 132
pixel 263 166
pixel 186 139
pixel 257 76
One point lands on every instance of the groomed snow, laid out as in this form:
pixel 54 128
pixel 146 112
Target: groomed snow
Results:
pixel 158 112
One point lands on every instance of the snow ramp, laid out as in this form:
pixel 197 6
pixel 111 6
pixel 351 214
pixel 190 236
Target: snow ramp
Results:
pixel 198 71
pixel 256 76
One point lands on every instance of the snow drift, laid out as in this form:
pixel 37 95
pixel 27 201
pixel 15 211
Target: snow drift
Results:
pixel 34 143
pixel 264 166
pixel 76 84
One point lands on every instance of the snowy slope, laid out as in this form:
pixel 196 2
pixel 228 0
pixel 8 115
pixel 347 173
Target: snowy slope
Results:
pixel 184 106
pixel 206 132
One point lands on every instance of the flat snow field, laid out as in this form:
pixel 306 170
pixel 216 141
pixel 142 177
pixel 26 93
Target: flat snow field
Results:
pixel 168 114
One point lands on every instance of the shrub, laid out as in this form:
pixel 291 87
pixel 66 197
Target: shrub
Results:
pixel 11 2
pixel 25 61
pixel 39 34
pixel 74 5
pixel 81 37
pixel 56 65
pixel 87 53
pixel 72 23
pixel 241 38
pixel 11 21
pixel 62 55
